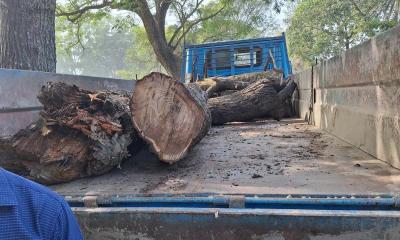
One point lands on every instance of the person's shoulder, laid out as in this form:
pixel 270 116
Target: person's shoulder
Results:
pixel 37 202
pixel 25 188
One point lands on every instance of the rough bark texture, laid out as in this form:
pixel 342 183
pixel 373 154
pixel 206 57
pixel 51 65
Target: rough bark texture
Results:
pixel 248 77
pixel 257 100
pixel 222 85
pixel 27 35
pixel 285 108
pixel 154 25
pixel 168 115
pixel 9 159
pixel 80 133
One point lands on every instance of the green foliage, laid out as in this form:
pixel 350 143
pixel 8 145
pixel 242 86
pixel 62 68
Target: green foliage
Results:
pixel 324 28
pixel 140 58
pixel 240 19
pixel 101 49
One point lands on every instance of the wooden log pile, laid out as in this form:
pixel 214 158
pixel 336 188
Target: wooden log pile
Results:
pixel 257 100
pixel 84 133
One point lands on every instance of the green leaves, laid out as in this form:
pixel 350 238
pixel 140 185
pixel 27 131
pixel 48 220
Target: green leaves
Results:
pixel 240 19
pixel 324 28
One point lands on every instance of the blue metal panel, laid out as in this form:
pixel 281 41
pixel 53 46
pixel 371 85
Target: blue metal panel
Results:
pixel 274 217
pixel 307 202
pixel 236 57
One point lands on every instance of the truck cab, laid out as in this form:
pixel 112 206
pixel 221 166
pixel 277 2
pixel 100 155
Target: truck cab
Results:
pixel 226 58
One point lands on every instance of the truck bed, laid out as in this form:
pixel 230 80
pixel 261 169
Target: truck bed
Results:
pixel 263 157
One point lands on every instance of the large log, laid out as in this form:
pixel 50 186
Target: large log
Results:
pixel 259 99
pixel 80 133
pixel 222 84
pixel 247 77
pixel 170 116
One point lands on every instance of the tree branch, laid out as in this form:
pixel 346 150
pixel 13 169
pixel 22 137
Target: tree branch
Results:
pixel 162 7
pixel 183 20
pixel 194 23
pixel 358 8
pixel 75 15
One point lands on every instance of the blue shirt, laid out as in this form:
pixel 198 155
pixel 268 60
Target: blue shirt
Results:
pixel 31 211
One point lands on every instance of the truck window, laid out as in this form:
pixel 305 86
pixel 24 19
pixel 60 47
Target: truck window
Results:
pixel 242 57
pixel 222 59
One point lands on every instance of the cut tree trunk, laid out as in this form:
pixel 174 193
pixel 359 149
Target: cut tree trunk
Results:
pixel 257 100
pixel 27 35
pixel 169 116
pixel 222 85
pixel 80 133
pixel 247 77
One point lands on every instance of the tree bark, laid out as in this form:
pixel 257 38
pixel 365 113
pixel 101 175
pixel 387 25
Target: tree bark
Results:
pixel 247 77
pixel 257 100
pixel 222 85
pixel 155 29
pixel 27 35
pixel 9 159
pixel 81 133
pixel 169 116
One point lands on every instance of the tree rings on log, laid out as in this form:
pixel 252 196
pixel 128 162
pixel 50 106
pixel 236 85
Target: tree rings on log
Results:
pixel 170 116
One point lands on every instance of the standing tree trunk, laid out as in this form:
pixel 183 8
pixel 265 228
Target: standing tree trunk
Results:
pixel 27 35
pixel 155 30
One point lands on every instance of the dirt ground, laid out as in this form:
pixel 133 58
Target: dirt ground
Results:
pixel 263 157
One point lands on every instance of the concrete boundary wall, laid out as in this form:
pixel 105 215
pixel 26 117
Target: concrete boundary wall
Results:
pixel 18 89
pixel 357 96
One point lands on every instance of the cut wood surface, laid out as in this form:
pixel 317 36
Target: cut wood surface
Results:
pixel 80 133
pixel 169 116
pixel 257 100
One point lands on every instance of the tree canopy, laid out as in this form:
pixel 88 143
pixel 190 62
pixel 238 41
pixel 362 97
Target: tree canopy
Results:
pixel 165 39
pixel 324 28
pixel 80 43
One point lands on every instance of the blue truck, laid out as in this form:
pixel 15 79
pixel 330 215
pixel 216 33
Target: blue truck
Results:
pixel 226 58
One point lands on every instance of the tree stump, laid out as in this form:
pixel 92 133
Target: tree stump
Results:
pixel 170 116
pixel 80 133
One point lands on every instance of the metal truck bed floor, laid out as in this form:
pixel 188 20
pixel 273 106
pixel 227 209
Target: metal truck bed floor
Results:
pixel 265 157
